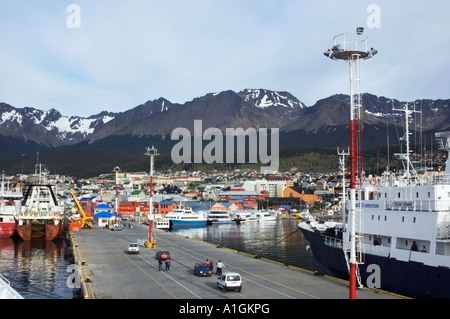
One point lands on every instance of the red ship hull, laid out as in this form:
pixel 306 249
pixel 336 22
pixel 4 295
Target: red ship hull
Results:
pixel 7 229
pixel 40 231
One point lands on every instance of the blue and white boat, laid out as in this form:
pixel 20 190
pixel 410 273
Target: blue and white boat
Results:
pixel 186 217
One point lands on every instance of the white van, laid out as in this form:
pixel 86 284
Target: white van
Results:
pixel 133 248
pixel 230 281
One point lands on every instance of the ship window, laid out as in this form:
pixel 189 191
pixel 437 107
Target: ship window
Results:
pixel 417 194
pixel 403 218
pixel 414 219
pixel 385 218
pixel 379 217
pixel 398 195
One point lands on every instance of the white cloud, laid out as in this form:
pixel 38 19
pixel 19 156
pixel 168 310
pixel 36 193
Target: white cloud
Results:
pixel 128 52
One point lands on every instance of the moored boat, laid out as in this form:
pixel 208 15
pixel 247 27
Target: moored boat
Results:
pixel 403 242
pixel 264 215
pixel 41 216
pixel 161 223
pixel 219 217
pixel 186 217
pixel 9 208
pixel 244 216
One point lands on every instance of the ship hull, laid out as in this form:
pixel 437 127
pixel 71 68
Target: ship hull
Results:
pixel 7 228
pixel 181 223
pixel 40 231
pixel 411 279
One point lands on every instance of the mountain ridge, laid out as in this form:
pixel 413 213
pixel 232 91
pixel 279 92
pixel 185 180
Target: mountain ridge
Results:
pixel 325 124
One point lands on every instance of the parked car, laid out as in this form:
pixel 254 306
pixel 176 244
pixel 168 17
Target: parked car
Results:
pixel 163 255
pixel 202 269
pixel 229 281
pixel 133 248
pixel 117 227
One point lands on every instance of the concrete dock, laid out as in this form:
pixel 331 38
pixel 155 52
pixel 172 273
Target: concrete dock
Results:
pixel 109 272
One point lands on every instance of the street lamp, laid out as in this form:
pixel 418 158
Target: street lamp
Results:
pixel 352 48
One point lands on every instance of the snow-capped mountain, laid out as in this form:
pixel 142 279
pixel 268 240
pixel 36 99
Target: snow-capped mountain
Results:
pixel 48 128
pixel 33 129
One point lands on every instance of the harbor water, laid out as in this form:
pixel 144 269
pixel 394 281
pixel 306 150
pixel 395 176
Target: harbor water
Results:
pixel 36 269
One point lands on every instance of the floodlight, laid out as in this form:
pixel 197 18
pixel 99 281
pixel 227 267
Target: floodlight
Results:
pixel 336 48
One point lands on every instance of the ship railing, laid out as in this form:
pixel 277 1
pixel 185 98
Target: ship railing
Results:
pixel 378 249
pixel 38 213
pixel 426 179
pixel 433 178
pixel 332 241
pixel 443 232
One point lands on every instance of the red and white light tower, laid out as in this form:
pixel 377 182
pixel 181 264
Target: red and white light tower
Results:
pixel 352 47
pixel 116 203
pixel 151 152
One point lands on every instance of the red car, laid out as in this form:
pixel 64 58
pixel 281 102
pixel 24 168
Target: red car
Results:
pixel 163 255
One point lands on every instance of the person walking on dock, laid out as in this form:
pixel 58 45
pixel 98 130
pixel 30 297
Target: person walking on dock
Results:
pixel 167 262
pixel 219 267
pixel 159 264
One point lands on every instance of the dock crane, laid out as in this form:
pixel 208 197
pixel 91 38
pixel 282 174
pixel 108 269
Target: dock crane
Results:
pixel 83 222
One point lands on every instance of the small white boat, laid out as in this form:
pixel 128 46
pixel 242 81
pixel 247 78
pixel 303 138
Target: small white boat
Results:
pixel 161 223
pixel 306 216
pixel 264 215
pixel 219 217
pixel 244 216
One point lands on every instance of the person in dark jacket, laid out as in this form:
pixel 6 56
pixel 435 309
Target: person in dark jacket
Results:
pixel 167 262
pixel 159 264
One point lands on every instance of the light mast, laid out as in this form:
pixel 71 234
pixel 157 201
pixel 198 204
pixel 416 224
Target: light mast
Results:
pixel 116 203
pixel 151 152
pixel 352 48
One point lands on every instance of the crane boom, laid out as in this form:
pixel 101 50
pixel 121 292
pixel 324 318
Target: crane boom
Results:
pixel 85 221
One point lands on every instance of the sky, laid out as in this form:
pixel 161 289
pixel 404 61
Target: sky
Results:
pixel 82 57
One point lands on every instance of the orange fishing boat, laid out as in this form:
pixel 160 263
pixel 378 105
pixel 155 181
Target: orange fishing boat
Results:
pixel 41 216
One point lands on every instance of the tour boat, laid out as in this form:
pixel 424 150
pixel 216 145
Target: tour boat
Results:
pixel 186 217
